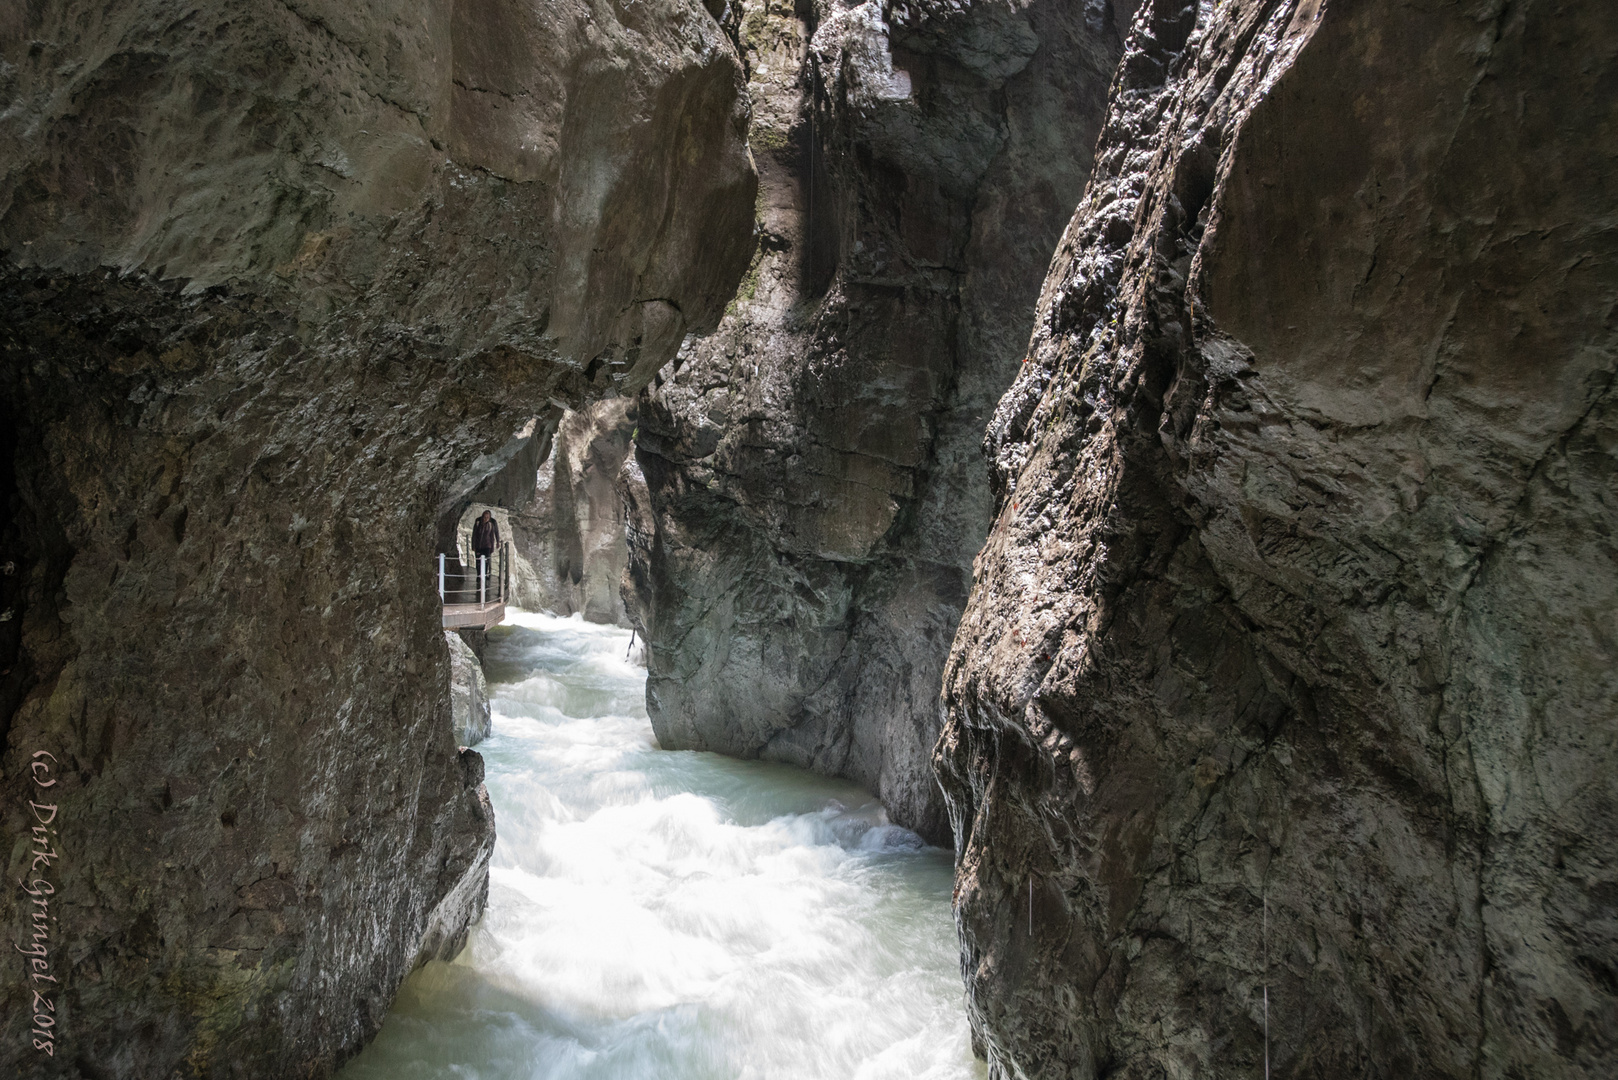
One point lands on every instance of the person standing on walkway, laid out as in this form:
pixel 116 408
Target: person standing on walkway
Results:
pixel 485 538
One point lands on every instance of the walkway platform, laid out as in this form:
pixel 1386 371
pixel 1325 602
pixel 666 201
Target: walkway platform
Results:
pixel 481 616
pixel 474 596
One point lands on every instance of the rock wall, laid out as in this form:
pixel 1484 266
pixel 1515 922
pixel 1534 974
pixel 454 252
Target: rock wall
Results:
pixel 813 492
pixel 470 715
pixel 570 540
pixel 282 283
pixel 1289 673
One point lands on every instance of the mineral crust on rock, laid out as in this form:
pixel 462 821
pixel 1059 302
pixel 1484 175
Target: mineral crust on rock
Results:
pixel 808 483
pixel 282 284
pixel 1289 669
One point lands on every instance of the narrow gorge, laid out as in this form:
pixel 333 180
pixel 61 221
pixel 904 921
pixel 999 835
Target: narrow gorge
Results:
pixel 284 283
pixel 814 488
pixel 1039 539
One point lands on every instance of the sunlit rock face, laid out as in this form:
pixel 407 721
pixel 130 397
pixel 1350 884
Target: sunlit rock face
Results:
pixel 1301 581
pixel 283 283
pixel 813 487
pixel 570 539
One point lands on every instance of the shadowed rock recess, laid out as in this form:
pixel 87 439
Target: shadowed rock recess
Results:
pixel 813 489
pixel 1301 585
pixel 280 282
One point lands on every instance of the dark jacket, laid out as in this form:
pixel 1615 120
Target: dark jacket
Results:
pixel 485 536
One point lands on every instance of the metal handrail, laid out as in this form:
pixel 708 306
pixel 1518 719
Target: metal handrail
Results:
pixel 500 578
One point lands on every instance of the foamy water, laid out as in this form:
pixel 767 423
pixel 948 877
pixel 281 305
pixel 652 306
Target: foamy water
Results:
pixel 661 916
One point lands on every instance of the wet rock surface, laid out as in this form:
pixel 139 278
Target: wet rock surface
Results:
pixel 807 493
pixel 468 692
pixel 1300 585
pixel 282 285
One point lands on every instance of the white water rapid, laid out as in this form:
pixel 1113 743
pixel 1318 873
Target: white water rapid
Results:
pixel 664 916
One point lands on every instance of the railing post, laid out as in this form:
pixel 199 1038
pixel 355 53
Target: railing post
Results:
pixel 440 577
pixel 483 580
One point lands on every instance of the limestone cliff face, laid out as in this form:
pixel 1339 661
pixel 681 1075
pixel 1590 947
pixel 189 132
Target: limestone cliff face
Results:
pixel 282 284
pixel 1301 583
pixel 813 494
pixel 570 539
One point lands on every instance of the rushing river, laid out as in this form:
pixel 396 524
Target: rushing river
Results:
pixel 662 916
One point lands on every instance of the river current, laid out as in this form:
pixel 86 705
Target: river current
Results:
pixel 663 915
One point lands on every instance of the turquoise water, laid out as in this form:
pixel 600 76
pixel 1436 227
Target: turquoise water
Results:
pixel 676 915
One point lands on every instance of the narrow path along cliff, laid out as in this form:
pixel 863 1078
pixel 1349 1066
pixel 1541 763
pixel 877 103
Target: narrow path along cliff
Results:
pixel 676 914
